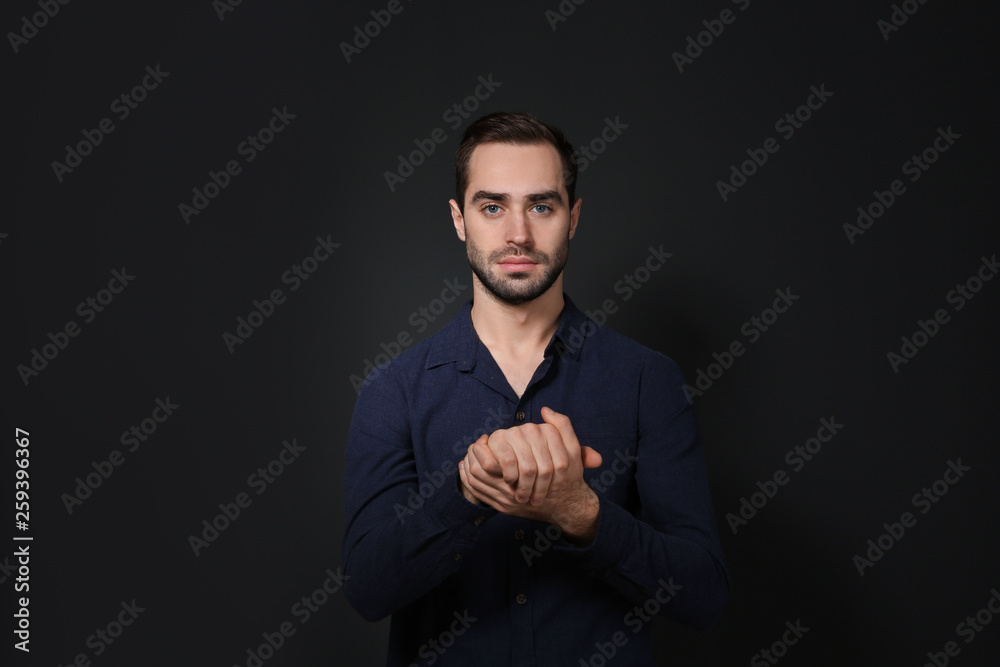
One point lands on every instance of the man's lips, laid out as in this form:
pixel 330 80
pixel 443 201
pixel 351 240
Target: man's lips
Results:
pixel 514 264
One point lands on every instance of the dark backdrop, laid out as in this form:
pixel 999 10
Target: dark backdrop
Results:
pixel 666 120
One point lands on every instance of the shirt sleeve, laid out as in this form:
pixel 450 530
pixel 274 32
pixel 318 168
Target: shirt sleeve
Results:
pixel 669 545
pixel 401 540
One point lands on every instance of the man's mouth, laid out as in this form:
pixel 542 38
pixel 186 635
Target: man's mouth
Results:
pixel 515 264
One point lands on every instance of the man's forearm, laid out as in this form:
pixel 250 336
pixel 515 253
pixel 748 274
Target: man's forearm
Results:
pixel 392 559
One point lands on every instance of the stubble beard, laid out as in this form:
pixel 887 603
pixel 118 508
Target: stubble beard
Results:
pixel 518 288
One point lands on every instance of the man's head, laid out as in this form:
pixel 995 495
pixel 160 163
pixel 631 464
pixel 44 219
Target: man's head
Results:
pixel 515 180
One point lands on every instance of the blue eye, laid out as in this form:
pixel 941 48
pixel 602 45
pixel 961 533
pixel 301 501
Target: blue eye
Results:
pixel 542 208
pixel 492 209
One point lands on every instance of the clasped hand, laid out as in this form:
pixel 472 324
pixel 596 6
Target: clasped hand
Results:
pixel 533 471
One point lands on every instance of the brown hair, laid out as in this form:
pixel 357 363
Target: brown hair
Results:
pixel 516 128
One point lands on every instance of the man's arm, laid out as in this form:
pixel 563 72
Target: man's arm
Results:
pixel 392 552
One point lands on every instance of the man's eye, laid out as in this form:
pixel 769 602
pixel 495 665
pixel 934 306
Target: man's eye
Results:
pixel 492 209
pixel 542 208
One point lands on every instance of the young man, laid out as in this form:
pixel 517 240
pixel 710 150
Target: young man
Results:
pixel 524 487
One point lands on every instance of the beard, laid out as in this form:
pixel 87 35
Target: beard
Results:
pixel 517 288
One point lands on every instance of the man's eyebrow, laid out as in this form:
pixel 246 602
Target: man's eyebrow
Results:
pixel 482 195
pixel 548 195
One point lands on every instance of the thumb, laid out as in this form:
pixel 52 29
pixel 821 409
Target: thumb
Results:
pixel 591 458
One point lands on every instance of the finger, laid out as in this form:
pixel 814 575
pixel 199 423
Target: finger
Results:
pixel 560 458
pixel 525 445
pixel 502 446
pixel 464 475
pixel 565 428
pixel 484 455
pixel 590 457
pixel 489 489
pixel 544 465
pixel 480 479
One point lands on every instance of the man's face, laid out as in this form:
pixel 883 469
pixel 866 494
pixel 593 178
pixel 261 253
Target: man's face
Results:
pixel 518 220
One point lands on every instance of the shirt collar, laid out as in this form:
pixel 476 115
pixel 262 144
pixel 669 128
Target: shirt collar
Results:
pixel 458 342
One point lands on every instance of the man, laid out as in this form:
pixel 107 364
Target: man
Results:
pixel 524 487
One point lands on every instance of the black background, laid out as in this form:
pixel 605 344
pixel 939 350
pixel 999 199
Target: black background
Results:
pixel 655 184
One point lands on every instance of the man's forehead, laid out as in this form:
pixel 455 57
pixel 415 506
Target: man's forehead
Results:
pixel 515 169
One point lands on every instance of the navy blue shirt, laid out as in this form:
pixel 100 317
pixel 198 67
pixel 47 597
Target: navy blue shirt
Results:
pixel 467 585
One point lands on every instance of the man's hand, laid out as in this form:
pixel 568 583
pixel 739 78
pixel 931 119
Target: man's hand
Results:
pixel 466 490
pixel 535 471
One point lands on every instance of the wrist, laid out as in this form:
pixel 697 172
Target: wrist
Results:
pixel 579 523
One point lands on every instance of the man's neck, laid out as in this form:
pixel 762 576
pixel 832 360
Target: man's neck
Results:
pixel 516 331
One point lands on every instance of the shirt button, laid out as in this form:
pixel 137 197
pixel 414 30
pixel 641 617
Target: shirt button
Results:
pixel 479 520
pixel 519 416
pixel 521 598
pixel 518 534
pixel 457 556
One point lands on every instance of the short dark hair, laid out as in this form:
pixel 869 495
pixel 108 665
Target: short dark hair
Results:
pixel 516 128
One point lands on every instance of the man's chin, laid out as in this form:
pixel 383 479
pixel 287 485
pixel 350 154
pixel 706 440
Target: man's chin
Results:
pixel 519 295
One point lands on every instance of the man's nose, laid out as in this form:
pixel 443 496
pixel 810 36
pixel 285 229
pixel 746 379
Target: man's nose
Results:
pixel 518 230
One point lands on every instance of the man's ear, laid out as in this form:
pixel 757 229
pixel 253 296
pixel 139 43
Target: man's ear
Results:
pixel 457 219
pixel 574 217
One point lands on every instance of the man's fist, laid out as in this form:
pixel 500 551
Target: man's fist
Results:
pixel 535 461
pixel 535 471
